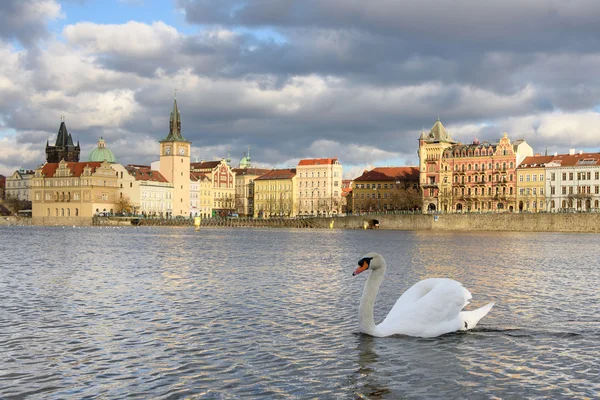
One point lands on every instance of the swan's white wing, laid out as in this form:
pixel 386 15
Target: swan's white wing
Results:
pixel 429 308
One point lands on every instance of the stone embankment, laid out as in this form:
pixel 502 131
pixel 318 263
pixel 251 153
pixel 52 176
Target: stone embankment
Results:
pixel 508 222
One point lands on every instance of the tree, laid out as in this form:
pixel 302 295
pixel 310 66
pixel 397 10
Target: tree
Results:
pixel 15 204
pixel 123 205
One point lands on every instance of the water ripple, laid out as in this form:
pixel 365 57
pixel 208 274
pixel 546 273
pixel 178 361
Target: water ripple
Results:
pixel 221 313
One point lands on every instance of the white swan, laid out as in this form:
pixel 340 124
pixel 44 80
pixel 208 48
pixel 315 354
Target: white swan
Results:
pixel 430 308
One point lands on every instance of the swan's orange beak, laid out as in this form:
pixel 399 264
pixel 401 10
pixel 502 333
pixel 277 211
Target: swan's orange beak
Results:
pixel 361 267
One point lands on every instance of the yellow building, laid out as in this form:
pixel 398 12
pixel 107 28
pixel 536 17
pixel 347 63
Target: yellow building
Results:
pixel 244 189
pixel 201 195
pixel 73 189
pixel 435 178
pixel 386 189
pixel 175 164
pixel 275 194
pixel 531 184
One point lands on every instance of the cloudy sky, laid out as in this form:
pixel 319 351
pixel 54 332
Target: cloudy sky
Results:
pixel 292 79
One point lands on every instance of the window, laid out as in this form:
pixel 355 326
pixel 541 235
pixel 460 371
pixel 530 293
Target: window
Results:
pixel 570 176
pixel 520 178
pixel 527 178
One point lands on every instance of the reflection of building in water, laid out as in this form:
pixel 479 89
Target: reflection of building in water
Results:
pixel 478 261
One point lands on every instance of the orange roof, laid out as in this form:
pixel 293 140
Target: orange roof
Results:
pixel 390 174
pixel 535 161
pixel 250 171
pixel 406 173
pixel 198 176
pixel 278 174
pixel 317 161
pixel 143 174
pixel 76 168
pixel 577 159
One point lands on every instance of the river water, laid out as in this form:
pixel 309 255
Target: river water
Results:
pixel 169 313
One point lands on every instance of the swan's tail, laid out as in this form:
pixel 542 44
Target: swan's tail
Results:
pixel 471 318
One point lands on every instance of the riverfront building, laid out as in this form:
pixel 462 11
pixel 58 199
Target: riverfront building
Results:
pixel 275 194
pixel 573 182
pixel 18 185
pixel 175 163
pixel 319 186
pixel 475 177
pixel 220 183
pixel 386 189
pixel 74 189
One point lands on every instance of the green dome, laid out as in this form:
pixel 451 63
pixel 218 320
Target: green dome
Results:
pixel 245 162
pixel 101 153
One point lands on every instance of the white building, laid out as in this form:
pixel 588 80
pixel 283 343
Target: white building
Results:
pixel 319 186
pixel 18 185
pixel 573 182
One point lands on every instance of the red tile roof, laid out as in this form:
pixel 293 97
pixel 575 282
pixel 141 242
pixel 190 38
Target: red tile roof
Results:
pixel 535 161
pixel 278 174
pixel 205 165
pixel 250 171
pixel 577 159
pixel 317 161
pixel 142 174
pixel 198 176
pixel 76 168
pixel 402 173
pixel 390 174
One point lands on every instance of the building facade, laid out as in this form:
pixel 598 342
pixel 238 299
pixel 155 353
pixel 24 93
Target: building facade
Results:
pixel 386 189
pixel 222 189
pixel 531 184
pixel 175 163
pixel 275 194
pixel 475 177
pixel 573 182
pixel 319 186
pixel 244 189
pixel 74 189
pixel 18 185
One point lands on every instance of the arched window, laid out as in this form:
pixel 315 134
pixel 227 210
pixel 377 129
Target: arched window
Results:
pixel 469 167
pixel 48 213
pixel 77 212
pixel 68 212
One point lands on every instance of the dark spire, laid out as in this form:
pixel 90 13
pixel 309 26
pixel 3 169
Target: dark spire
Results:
pixel 175 125
pixel 63 136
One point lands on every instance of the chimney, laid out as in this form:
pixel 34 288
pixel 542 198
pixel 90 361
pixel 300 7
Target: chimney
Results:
pixel 580 152
pixel 555 153
pixel 571 152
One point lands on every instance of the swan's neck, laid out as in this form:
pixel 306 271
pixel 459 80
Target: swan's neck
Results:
pixel 366 322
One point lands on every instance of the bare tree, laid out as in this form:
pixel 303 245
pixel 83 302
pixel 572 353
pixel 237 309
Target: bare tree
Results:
pixel 123 205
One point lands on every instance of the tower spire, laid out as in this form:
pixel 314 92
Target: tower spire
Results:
pixel 175 123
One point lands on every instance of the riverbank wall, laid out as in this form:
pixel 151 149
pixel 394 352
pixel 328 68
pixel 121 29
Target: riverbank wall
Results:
pixel 509 222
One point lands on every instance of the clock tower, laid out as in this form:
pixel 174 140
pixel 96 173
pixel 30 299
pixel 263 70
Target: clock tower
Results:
pixel 175 163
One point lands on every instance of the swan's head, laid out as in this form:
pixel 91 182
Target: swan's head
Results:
pixel 371 261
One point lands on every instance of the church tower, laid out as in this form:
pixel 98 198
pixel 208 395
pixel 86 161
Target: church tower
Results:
pixel 64 149
pixel 175 163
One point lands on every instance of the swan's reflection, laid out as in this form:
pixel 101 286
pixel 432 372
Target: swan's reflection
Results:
pixel 367 373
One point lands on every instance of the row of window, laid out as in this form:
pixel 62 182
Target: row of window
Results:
pixel 476 167
pixel 581 176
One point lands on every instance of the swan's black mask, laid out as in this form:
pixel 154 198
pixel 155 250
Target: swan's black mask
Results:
pixel 363 265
